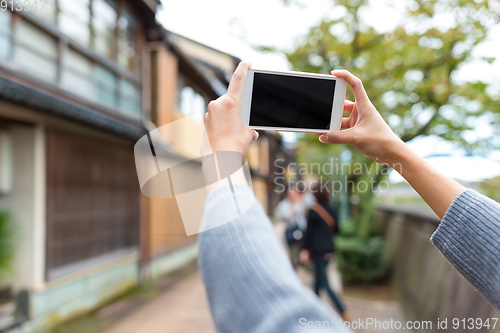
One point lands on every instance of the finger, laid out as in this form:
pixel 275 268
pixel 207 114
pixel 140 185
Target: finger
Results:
pixel 346 123
pixel 338 137
pixel 348 106
pixel 354 82
pixel 236 85
pixel 212 105
pixel 255 135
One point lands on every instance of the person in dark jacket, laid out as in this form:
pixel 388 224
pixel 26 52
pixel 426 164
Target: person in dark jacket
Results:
pixel 318 245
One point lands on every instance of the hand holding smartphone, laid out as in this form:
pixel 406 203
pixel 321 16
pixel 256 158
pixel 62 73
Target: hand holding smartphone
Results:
pixel 292 101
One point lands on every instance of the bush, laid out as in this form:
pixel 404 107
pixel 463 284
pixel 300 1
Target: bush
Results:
pixel 361 260
pixel 347 228
pixel 6 245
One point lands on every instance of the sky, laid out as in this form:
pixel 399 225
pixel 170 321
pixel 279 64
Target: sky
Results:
pixel 235 26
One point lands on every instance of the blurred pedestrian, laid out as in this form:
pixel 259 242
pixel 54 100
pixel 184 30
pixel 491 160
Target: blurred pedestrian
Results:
pixel 322 225
pixel 292 210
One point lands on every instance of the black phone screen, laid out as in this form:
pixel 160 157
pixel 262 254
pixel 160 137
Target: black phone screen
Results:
pixel 291 101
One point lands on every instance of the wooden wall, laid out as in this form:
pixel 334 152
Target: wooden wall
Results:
pixel 165 65
pixel 165 232
pixel 92 199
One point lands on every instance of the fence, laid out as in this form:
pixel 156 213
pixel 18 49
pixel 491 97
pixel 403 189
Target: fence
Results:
pixel 429 288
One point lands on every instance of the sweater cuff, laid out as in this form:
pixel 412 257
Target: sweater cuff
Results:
pixel 453 215
pixel 468 238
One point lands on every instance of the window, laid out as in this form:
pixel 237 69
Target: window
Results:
pixel 36 52
pixel 74 20
pixel 77 75
pixel 127 40
pixel 95 23
pixel 106 87
pixel 49 10
pixel 5 35
pixel 130 99
pixel 104 23
pixel 192 104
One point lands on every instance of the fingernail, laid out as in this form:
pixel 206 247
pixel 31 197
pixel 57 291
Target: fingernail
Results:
pixel 323 138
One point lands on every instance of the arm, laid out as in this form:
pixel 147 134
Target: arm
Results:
pixel 366 130
pixel 305 253
pixel 437 190
pixel 250 283
pixel 308 240
pixel 469 238
pixel 469 234
pixel 335 216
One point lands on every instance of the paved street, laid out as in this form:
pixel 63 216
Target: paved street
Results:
pixel 184 309
pixel 181 309
pixel 382 311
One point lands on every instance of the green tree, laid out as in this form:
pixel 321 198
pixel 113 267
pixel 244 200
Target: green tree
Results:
pixel 409 74
pixel 491 188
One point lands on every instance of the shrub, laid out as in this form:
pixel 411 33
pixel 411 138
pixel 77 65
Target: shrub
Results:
pixel 361 260
pixel 347 228
pixel 6 245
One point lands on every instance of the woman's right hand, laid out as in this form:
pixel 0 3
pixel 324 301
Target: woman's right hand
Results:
pixel 364 129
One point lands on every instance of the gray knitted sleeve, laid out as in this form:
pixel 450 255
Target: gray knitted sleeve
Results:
pixel 250 283
pixel 469 237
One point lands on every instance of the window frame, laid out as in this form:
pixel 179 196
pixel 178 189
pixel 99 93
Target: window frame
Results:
pixel 64 42
pixel 182 82
pixel 18 44
pixel 10 37
pixel 114 49
pixel 60 12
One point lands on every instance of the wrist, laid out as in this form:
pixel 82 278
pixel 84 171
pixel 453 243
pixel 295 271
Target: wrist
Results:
pixel 230 148
pixel 230 145
pixel 398 154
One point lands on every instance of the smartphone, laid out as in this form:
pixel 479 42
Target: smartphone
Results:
pixel 292 101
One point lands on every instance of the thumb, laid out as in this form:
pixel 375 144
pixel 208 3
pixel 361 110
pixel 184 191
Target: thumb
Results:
pixel 338 137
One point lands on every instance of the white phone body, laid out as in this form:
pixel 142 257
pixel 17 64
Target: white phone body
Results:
pixel 337 110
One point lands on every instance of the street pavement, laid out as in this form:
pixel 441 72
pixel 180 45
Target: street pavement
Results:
pixel 183 307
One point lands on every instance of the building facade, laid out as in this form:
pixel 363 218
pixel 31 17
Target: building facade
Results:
pixel 73 97
pixel 80 82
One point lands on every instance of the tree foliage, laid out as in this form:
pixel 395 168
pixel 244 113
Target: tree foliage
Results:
pixel 410 73
pixel 491 188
